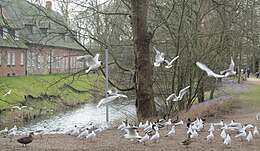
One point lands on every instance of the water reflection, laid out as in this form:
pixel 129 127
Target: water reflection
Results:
pixel 81 117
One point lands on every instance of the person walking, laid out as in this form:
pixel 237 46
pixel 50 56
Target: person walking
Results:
pixel 248 73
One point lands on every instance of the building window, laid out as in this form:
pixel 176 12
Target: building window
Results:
pixel 40 61
pixel 22 59
pixel 33 59
pixel 5 32
pixel 29 59
pixel 57 62
pixel 49 61
pixel 13 59
pixel 9 58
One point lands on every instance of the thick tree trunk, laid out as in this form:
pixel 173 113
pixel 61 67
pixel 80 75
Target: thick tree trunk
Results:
pixel 143 69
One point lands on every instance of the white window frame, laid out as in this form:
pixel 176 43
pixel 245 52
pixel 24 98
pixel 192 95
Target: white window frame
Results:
pixel 49 60
pixel 8 58
pixel 22 59
pixel 33 59
pixel 29 55
pixel 13 59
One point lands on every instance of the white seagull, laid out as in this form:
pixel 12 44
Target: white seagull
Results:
pixel 114 92
pixel 19 107
pixel 230 70
pixel 211 129
pixel 171 133
pixel 249 136
pixel 223 134
pixel 210 73
pixel 210 137
pixel 169 64
pixel 255 132
pixel 110 99
pixel 91 136
pixel 144 139
pixel 8 93
pixel 92 62
pixel 181 94
pixel 4 131
pixel 84 133
pixel 227 140
pixel 155 137
pixel 242 135
pixel 160 58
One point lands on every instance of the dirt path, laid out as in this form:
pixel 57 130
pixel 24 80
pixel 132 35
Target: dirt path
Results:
pixel 112 139
pixel 253 80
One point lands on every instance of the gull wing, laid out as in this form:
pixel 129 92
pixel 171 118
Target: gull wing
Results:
pixel 96 57
pixel 174 59
pixel 209 72
pixel 122 95
pixel 83 58
pixel 171 96
pixel 183 91
pixel 106 100
pixel 232 65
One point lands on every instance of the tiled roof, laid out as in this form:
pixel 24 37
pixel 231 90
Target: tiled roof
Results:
pixel 21 14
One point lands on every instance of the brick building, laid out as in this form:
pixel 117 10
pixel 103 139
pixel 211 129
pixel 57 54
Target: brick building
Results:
pixel 35 40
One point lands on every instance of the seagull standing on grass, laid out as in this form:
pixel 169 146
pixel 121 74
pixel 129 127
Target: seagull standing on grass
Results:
pixel 160 58
pixel 181 94
pixel 92 62
pixel 210 73
pixel 8 93
pixel 19 107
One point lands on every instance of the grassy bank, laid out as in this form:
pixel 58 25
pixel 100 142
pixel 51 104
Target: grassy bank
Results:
pixel 45 93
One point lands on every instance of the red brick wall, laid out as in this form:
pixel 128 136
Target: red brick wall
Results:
pixel 16 69
pixel 59 64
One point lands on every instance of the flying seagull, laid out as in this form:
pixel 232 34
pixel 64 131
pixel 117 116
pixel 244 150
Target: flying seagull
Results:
pixel 210 73
pixel 230 70
pixel 8 93
pixel 160 58
pixel 109 99
pixel 92 63
pixel 178 98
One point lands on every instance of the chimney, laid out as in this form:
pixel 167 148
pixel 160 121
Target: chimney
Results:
pixel 48 5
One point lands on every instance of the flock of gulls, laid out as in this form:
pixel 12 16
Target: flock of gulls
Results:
pixel 151 130
pixel 94 64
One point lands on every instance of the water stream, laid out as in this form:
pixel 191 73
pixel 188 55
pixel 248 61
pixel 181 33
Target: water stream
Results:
pixel 81 117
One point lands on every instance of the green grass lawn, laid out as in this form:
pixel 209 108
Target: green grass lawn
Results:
pixel 37 85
